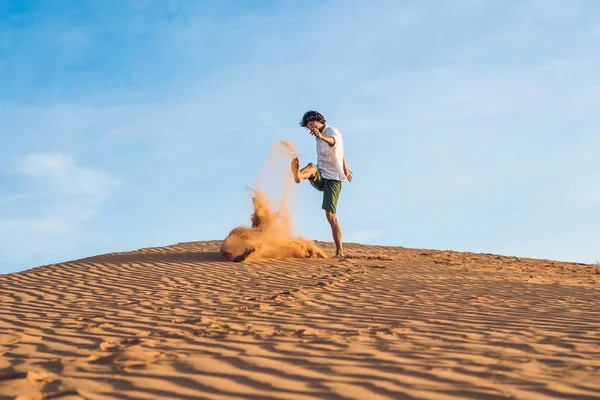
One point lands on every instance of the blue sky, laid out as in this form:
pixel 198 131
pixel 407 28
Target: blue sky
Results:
pixel 470 125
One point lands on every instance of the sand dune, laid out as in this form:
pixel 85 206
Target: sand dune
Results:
pixel 386 323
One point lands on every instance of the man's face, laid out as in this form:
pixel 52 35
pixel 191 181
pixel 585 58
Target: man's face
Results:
pixel 314 124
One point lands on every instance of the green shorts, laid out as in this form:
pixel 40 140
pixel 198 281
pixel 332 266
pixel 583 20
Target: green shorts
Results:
pixel 331 191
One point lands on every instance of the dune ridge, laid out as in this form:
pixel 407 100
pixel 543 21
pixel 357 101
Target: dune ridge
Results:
pixel 386 323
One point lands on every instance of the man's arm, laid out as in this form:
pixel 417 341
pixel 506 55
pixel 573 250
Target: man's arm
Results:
pixel 347 171
pixel 327 139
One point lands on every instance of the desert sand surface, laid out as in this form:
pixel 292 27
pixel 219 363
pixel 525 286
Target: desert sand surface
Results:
pixel 180 322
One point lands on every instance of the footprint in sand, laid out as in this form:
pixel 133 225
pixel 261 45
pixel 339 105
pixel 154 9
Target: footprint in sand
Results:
pixel 14 338
pixel 128 354
pixel 10 374
pixel 37 384
pixel 11 338
pixel 114 345
pixel 40 376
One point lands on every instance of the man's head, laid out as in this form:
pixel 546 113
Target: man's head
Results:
pixel 313 119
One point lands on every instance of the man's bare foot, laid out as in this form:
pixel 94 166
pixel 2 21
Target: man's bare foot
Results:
pixel 296 169
pixel 339 255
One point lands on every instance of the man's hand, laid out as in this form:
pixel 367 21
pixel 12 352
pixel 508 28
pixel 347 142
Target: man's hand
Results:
pixel 327 139
pixel 348 172
pixel 316 133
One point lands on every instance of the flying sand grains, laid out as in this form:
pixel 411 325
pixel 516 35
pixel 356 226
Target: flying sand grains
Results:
pixel 270 234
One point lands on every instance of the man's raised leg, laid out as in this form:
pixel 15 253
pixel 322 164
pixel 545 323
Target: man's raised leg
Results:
pixel 305 173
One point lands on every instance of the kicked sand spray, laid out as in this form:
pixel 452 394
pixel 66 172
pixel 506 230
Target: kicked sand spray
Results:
pixel 270 234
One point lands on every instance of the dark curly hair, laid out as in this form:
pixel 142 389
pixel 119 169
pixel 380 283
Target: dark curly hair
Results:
pixel 311 116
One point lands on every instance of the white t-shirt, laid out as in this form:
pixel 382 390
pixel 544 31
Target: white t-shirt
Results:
pixel 330 159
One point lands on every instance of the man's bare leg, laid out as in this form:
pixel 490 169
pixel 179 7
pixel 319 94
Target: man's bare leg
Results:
pixel 336 231
pixel 305 173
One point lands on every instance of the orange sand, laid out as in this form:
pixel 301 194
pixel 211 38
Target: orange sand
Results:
pixel 180 322
pixel 270 234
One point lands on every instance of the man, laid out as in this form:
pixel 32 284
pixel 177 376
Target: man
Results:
pixel 329 173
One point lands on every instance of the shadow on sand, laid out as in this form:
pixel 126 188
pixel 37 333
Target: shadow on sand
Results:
pixel 159 257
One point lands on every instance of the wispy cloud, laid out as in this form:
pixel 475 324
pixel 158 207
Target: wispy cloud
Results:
pixel 48 219
pixel 60 172
pixel 14 198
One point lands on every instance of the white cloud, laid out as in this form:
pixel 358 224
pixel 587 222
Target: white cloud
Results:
pixel 14 198
pixel 25 227
pixel 60 171
pixel 48 219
